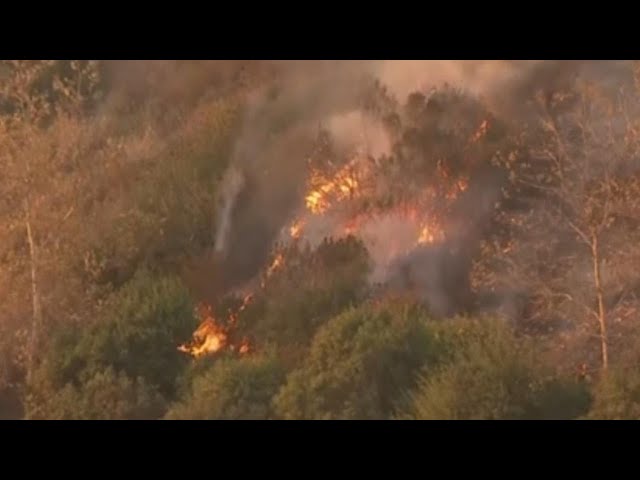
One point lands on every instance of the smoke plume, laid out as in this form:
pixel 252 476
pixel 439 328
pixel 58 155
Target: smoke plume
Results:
pixel 280 128
pixel 232 184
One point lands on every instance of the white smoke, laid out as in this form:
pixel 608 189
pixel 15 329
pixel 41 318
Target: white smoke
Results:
pixel 280 125
pixel 232 185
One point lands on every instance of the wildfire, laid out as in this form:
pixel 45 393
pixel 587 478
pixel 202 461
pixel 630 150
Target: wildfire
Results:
pixel 211 337
pixel 481 132
pixel 278 261
pixel 244 347
pixel 426 236
pixel 208 338
pixel 430 233
pixel 350 228
pixel 413 221
pixel 233 316
pixel 458 187
pixel 325 191
pixel 296 229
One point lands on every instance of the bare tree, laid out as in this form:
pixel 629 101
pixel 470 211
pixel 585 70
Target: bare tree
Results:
pixel 39 133
pixel 575 208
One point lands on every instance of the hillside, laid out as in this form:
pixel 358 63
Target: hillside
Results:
pixel 319 240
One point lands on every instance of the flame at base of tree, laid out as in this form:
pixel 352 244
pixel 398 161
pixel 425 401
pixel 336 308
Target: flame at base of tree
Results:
pixel 212 336
pixel 325 191
pixel 332 202
pixel 208 338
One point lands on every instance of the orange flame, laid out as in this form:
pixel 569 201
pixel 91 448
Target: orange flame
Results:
pixel 296 229
pixel 244 347
pixel 211 337
pixel 429 234
pixel 208 338
pixel 325 191
pixel 278 261
pixel 459 186
pixel 481 132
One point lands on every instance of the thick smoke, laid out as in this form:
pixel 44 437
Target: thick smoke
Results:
pixel 284 118
pixel 439 274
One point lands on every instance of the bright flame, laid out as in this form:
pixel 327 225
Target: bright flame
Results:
pixel 208 338
pixel 422 218
pixel 426 236
pixel 325 191
pixel 211 337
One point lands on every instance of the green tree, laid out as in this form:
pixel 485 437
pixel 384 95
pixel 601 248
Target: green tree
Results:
pixel 137 334
pixel 232 389
pixel 492 375
pixel 359 366
pixel 309 288
pixel 101 395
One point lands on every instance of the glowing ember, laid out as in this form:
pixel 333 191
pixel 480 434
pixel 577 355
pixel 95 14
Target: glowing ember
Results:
pixel 458 187
pixel 296 229
pixel 426 236
pixel 350 229
pixel 481 132
pixel 244 347
pixel 245 301
pixel 278 261
pixel 430 234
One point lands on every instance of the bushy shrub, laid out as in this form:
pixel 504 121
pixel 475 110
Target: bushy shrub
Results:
pixel 617 395
pixel 232 389
pixel 359 365
pixel 310 287
pixel 137 334
pixel 491 374
pixel 101 395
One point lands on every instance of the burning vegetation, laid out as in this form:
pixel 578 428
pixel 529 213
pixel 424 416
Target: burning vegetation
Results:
pixel 333 208
pixel 212 336
pixel 344 242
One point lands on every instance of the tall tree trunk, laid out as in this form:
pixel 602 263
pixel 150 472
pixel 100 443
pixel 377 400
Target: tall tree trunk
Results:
pixel 35 295
pixel 595 255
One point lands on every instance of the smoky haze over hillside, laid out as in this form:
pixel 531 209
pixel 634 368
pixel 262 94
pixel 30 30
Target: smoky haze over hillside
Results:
pixel 284 118
pixel 321 239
